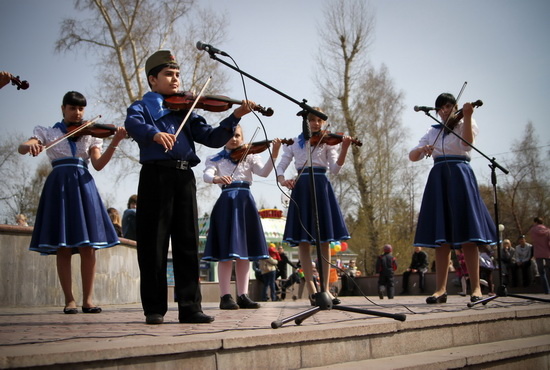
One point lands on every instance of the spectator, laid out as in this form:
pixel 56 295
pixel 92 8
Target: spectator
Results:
pixel 419 264
pixel 21 220
pixel 486 267
pixel 269 271
pixel 507 260
pixel 539 235
pixel 129 219
pixel 462 272
pixel 524 253
pixel 115 219
pixel 386 265
pixel 282 269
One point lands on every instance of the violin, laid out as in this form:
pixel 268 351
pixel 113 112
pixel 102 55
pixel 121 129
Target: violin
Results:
pixel 100 130
pixel 327 137
pixel 20 84
pixel 454 119
pixel 240 153
pixel 210 103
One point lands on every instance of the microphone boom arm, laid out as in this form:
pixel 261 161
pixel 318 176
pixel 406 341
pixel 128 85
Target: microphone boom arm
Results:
pixel 302 104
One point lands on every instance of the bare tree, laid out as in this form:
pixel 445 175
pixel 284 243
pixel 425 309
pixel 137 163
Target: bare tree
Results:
pixel 20 185
pixel 122 34
pixel 361 101
pixel 525 192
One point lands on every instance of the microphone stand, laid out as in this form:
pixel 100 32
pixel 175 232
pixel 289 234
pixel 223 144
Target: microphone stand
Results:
pixel 322 299
pixel 501 290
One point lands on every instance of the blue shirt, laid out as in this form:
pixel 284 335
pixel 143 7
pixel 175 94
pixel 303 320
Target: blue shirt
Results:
pixel 147 117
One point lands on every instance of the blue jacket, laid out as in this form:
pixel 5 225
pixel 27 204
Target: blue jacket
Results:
pixel 147 117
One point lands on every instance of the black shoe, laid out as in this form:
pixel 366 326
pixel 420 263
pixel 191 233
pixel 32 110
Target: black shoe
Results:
pixel 227 303
pixel 70 311
pixel 91 309
pixel 475 298
pixel 380 295
pixel 154 319
pixel 197 318
pixel 433 299
pixel 336 301
pixel 244 301
pixel 312 300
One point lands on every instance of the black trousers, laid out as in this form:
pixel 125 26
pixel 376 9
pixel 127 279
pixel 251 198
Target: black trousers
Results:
pixel 406 276
pixel 167 210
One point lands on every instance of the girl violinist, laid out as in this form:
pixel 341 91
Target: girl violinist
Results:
pixel 300 225
pixel 71 217
pixel 236 232
pixel 452 214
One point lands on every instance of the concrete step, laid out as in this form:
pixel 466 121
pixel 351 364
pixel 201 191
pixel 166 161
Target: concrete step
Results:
pixel 526 353
pixel 506 331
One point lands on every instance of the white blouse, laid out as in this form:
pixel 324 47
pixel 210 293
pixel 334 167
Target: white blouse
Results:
pixel 252 164
pixel 47 135
pixel 448 144
pixel 323 155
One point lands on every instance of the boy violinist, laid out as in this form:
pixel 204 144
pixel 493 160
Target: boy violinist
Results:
pixel 167 205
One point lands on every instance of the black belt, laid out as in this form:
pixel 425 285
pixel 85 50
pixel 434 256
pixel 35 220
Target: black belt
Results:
pixel 179 165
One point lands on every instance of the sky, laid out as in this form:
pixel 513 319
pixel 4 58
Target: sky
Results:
pixel 499 48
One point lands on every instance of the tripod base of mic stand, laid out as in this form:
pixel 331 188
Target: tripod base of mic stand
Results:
pixel 324 302
pixel 503 292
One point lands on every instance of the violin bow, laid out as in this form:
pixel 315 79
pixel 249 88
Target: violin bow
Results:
pixel 192 107
pixel 449 117
pixel 69 134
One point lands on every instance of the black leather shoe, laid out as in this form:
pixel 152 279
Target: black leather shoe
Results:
pixel 475 298
pixel 244 301
pixel 70 311
pixel 227 303
pixel 154 319
pixel 197 318
pixel 336 301
pixel 433 299
pixel 91 309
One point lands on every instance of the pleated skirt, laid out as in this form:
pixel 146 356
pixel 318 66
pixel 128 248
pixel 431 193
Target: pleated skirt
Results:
pixel 300 222
pixel 452 211
pixel 70 212
pixel 236 230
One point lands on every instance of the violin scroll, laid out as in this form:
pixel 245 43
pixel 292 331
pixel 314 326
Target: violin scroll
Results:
pixel 454 119
pixel 20 84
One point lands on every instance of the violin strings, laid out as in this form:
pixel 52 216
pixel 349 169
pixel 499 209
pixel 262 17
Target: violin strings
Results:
pixel 71 133
pixel 249 146
pixel 191 109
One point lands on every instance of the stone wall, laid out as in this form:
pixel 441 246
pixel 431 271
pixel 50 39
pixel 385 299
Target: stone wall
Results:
pixel 30 279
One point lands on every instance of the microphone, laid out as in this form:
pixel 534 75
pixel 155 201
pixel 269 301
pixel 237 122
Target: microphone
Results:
pixel 423 109
pixel 210 49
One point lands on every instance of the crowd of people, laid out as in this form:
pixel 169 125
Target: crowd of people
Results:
pixel 163 213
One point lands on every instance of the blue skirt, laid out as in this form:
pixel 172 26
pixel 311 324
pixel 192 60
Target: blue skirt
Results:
pixel 452 210
pixel 70 212
pixel 300 223
pixel 236 230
